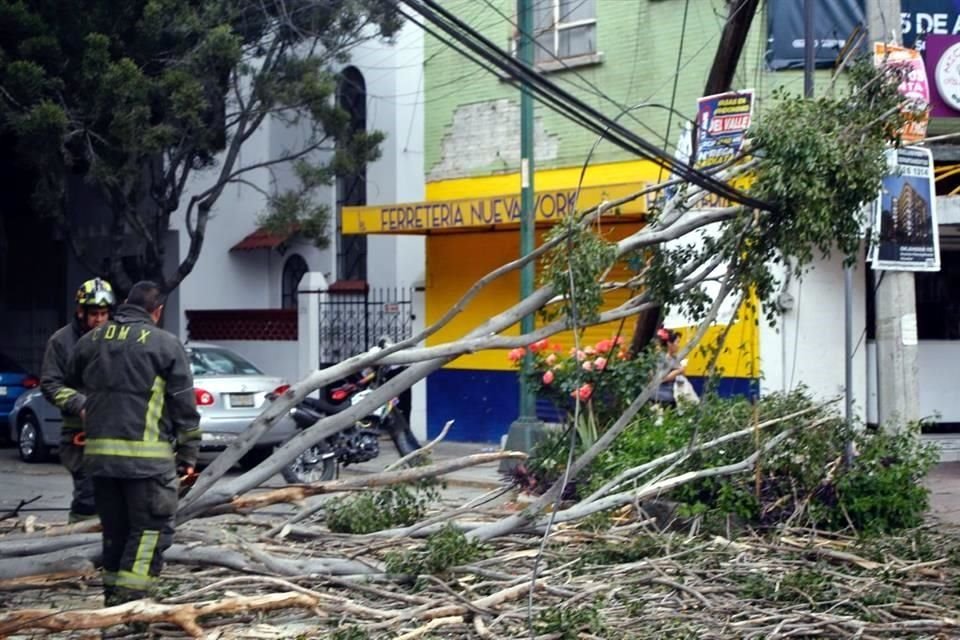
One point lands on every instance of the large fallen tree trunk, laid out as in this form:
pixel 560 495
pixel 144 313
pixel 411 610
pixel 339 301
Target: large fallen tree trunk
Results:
pixel 185 616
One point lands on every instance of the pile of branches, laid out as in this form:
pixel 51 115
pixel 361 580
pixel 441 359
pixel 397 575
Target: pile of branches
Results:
pixel 608 584
pixel 600 567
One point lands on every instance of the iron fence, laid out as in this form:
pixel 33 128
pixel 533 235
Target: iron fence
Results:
pixel 351 323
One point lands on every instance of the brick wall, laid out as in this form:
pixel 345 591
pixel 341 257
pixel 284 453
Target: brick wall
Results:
pixel 242 324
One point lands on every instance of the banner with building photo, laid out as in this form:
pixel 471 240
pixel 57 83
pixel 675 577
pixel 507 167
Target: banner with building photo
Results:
pixel 722 123
pixel 905 236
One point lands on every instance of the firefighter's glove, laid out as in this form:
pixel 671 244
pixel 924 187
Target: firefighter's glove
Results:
pixel 187 474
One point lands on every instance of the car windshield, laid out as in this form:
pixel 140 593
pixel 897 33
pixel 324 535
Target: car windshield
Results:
pixel 9 366
pixel 219 362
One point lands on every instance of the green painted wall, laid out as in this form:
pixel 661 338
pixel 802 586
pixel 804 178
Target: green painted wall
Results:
pixel 471 116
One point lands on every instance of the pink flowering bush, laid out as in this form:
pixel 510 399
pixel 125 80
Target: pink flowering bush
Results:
pixel 602 376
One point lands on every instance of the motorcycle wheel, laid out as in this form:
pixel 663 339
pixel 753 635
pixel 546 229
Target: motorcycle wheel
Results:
pixel 316 464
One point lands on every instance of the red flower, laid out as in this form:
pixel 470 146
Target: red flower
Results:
pixel 516 355
pixel 548 377
pixel 604 346
pixel 584 392
pixel 539 345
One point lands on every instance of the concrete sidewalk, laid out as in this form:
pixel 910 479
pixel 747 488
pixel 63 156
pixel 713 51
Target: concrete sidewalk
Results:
pixel 944 484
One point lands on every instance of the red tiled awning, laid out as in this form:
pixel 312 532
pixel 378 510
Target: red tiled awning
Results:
pixel 262 239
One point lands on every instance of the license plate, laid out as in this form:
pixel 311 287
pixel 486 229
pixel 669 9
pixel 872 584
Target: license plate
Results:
pixel 241 400
pixel 3 391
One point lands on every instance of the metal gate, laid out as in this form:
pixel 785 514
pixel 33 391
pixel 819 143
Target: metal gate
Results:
pixel 351 323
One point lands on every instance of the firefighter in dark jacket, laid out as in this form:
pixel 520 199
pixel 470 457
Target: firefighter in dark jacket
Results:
pixel 95 300
pixel 142 432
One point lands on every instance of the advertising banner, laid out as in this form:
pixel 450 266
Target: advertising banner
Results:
pixel 905 235
pixel 914 87
pixel 927 17
pixel 722 123
pixel 834 21
pixel 942 58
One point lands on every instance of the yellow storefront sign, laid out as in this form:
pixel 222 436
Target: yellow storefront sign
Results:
pixel 490 211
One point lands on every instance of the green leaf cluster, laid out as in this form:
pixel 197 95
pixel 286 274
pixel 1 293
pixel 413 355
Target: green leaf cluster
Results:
pixel 135 97
pixel 443 550
pixel 575 269
pixel 803 479
pixel 371 511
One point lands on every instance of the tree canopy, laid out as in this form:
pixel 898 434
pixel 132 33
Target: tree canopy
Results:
pixel 137 98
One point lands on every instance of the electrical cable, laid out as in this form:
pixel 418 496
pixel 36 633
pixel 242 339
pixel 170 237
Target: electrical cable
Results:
pixel 562 100
pixel 588 85
pixel 676 73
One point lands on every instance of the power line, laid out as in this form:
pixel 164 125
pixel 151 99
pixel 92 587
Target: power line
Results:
pixel 589 87
pixel 567 104
pixel 676 73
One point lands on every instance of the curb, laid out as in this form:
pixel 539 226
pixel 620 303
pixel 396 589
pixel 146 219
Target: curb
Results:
pixel 449 481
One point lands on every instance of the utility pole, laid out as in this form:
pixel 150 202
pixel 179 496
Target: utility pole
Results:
pixel 809 67
pixel 732 40
pixel 526 430
pixel 896 305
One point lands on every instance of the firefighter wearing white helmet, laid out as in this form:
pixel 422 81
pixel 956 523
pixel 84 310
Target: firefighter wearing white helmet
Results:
pixel 95 301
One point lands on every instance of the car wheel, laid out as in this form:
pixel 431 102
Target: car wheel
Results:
pixel 30 442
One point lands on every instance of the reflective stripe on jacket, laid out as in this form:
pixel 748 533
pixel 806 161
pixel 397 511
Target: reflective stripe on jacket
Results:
pixel 54 371
pixel 141 412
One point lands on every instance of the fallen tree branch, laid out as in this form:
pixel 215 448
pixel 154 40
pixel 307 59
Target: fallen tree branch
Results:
pixel 266 564
pixel 296 493
pixel 422 450
pixel 76 559
pixel 186 616
pixel 634 472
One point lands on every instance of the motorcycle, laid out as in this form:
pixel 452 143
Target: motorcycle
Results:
pixel 359 442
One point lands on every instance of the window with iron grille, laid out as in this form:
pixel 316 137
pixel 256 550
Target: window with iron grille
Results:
pixel 352 187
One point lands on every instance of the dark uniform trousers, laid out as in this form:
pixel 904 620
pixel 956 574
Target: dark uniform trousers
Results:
pixel 83 505
pixel 137 517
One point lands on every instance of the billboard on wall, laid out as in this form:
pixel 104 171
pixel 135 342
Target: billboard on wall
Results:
pixel 942 56
pixel 913 87
pixel 905 235
pixel 834 21
pixel 722 123
pixel 940 17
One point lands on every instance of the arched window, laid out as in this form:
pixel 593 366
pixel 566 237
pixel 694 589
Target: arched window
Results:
pixel 352 188
pixel 293 270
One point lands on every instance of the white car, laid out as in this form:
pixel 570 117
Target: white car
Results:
pixel 230 393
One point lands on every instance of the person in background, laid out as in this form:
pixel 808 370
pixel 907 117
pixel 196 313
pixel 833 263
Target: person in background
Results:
pixel 142 430
pixel 669 341
pixel 95 300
